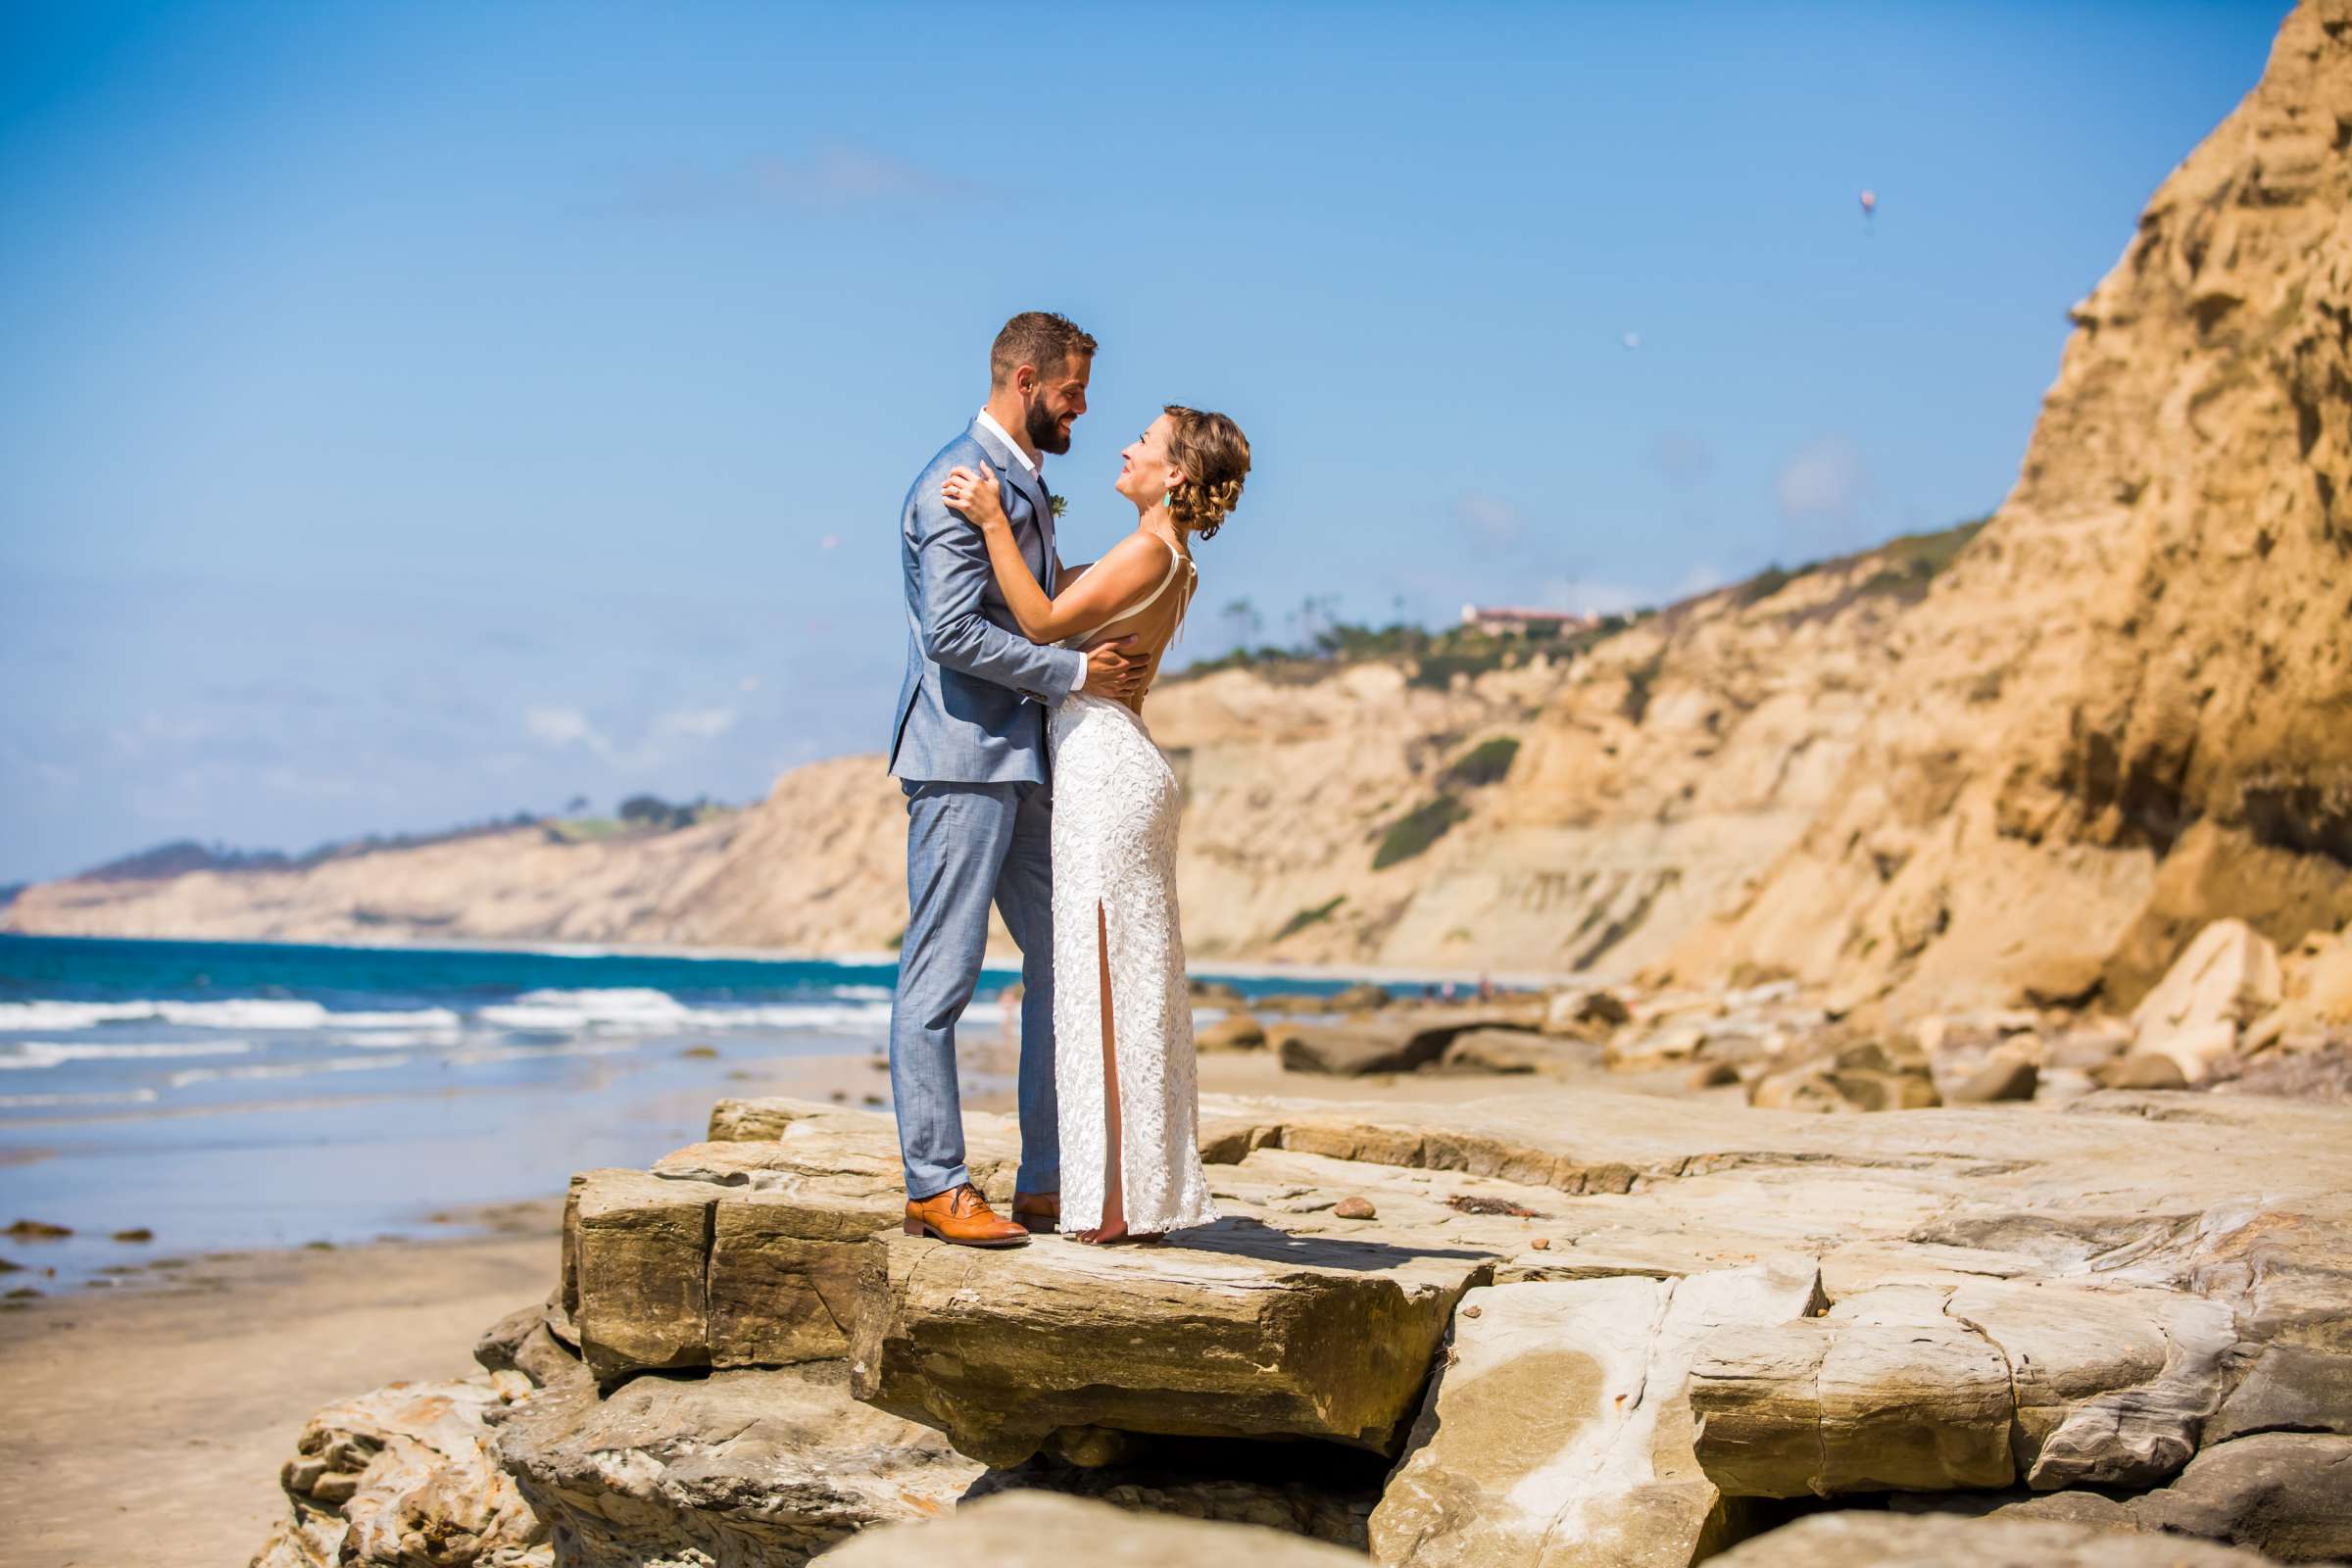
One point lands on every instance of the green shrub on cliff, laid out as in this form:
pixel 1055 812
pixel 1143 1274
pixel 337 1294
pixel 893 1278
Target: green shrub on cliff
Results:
pixel 1417 830
pixel 1310 917
pixel 1484 763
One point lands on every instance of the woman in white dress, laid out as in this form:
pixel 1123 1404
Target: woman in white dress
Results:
pixel 1130 1154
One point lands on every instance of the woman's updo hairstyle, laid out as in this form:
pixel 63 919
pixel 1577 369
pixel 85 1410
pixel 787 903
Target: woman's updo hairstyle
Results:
pixel 1215 455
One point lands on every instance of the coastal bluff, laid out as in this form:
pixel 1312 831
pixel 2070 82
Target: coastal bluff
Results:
pixel 1560 1326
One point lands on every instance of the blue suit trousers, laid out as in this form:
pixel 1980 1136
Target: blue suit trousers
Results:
pixel 968 845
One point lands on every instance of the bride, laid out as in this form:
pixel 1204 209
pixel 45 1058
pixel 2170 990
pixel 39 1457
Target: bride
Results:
pixel 1131 1161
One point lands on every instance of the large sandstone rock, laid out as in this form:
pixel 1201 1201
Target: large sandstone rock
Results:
pixel 1400 1043
pixel 1825 1406
pixel 1514 1050
pixel 1021 1530
pixel 2111 1386
pixel 2227 979
pixel 1557 1431
pixel 2287 1494
pixel 1859 1539
pixel 1237 1031
pixel 1584 1010
pixel 525 1342
pixel 2290 1388
pixel 2055 1383
pixel 400 1479
pixel 752 1469
pixel 1861 1076
pixel 744 1250
pixel 1240 1331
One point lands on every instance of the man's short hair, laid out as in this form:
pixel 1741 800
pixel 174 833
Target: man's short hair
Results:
pixel 1039 338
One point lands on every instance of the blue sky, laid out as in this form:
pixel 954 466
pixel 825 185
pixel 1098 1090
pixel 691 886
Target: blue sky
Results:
pixel 412 413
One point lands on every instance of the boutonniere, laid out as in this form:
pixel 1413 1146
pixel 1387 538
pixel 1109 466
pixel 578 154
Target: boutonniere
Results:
pixel 1057 505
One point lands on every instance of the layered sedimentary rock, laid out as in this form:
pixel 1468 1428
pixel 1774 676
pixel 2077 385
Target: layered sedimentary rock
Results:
pixel 1612 1301
pixel 1283 1336
pixel 1588 1327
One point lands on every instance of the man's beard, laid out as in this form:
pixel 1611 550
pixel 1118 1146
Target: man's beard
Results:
pixel 1044 427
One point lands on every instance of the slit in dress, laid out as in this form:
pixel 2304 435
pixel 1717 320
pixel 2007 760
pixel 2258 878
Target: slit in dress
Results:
pixel 1114 1153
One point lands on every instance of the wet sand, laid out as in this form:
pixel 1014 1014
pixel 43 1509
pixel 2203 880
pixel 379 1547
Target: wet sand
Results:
pixel 146 1426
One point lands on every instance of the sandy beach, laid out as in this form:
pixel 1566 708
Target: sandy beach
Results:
pixel 147 1425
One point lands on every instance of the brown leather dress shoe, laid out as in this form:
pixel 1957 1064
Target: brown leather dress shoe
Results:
pixel 962 1216
pixel 1037 1211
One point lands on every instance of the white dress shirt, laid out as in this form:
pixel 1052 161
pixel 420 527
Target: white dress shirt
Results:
pixel 1020 455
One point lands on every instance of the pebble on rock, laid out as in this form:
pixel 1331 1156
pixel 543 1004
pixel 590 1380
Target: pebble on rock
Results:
pixel 1541 1244
pixel 2143 1072
pixel 1354 1208
pixel 2003 1077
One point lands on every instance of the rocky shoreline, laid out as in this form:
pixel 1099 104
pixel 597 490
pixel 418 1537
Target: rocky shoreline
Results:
pixel 1559 1324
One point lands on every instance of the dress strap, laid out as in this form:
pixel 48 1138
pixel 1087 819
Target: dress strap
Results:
pixel 1175 559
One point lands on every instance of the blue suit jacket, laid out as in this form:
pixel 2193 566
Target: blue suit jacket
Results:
pixel 972 708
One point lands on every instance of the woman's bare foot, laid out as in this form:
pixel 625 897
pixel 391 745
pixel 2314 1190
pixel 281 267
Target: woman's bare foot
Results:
pixel 1115 1233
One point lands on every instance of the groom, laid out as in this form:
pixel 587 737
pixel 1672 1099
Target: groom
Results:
pixel 970 753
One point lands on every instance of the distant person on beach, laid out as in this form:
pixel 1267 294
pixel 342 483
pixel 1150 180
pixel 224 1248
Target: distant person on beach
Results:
pixel 968 747
pixel 1125 1074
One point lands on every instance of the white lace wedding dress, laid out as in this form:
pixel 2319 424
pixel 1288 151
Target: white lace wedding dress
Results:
pixel 1114 892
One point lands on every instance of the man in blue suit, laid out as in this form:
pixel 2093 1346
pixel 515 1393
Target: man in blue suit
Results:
pixel 970 749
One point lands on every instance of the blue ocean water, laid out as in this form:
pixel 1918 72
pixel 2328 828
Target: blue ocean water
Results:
pixel 235 1095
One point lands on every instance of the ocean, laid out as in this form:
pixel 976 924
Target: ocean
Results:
pixel 225 1096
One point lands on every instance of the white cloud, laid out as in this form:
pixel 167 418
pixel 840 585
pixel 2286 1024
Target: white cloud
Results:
pixel 1820 483
pixel 562 726
pixel 701 723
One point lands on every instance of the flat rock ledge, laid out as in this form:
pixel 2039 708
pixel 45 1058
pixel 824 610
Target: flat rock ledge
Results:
pixel 1586 1327
pixel 1241 1332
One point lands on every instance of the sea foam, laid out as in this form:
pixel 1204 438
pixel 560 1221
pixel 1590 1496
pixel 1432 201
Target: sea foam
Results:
pixel 51 1053
pixel 242 1013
